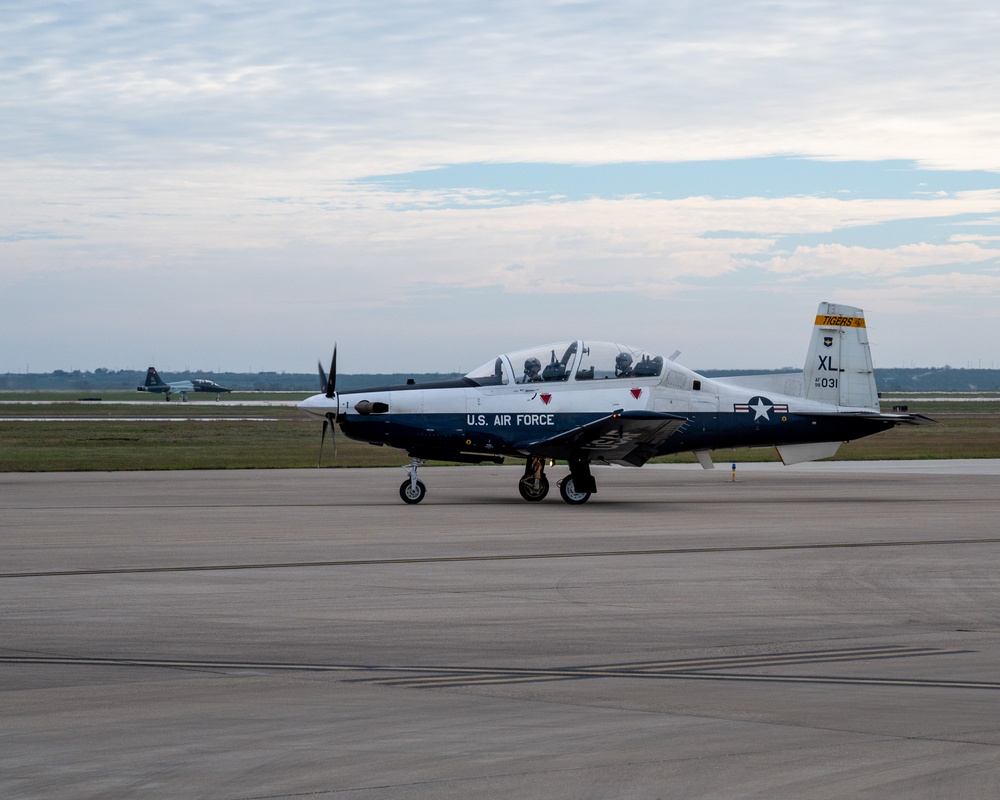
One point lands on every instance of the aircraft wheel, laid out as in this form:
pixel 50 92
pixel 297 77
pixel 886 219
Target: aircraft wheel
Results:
pixel 569 493
pixel 412 494
pixel 531 492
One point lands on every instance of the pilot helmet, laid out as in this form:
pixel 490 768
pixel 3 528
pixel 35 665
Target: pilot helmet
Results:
pixel 623 361
pixel 532 365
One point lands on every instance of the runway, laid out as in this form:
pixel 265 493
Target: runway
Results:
pixel 825 630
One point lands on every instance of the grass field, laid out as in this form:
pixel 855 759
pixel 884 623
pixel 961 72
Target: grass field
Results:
pixel 155 434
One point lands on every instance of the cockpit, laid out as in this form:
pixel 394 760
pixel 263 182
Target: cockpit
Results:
pixel 568 361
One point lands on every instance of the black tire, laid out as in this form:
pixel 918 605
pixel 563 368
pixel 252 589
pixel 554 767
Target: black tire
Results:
pixel 412 494
pixel 568 492
pixel 530 492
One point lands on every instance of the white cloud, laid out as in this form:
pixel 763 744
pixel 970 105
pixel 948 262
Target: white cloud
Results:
pixel 828 260
pixel 168 147
pixel 428 82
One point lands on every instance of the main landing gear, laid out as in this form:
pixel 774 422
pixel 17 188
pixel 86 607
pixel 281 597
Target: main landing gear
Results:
pixel 533 486
pixel 575 489
pixel 569 492
pixel 411 490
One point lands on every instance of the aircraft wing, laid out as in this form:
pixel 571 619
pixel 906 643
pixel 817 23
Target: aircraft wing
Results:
pixel 624 437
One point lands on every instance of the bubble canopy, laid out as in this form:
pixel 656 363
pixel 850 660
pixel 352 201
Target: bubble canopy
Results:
pixel 568 361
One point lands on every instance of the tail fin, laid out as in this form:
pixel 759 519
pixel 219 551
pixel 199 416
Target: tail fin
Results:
pixel 153 378
pixel 839 368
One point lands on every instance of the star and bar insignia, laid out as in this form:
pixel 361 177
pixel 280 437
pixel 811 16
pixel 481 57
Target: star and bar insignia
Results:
pixel 760 407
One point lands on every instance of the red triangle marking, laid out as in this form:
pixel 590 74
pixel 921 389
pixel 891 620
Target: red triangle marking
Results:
pixel 636 393
pixel 545 398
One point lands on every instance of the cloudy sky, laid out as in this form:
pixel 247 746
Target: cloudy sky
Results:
pixel 236 185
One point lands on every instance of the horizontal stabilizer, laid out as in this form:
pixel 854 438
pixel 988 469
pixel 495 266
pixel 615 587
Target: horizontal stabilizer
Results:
pixel 905 419
pixel 876 416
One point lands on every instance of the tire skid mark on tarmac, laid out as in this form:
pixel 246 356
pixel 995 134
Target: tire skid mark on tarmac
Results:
pixel 718 669
pixel 723 668
pixel 363 562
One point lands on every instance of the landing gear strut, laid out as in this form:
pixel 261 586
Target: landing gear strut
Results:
pixel 533 486
pixel 411 490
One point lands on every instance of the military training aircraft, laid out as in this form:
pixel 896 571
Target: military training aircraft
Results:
pixel 587 402
pixel 154 383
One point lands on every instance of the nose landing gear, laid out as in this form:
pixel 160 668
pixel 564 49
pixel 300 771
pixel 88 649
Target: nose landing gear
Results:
pixel 411 490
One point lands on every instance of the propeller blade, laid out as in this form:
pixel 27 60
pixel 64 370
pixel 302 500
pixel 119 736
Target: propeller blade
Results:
pixel 319 463
pixel 331 386
pixel 328 421
pixel 322 377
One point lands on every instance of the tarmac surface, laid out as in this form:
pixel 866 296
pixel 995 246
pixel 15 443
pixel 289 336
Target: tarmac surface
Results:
pixel 822 631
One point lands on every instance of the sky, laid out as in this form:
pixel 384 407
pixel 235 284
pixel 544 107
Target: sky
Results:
pixel 238 186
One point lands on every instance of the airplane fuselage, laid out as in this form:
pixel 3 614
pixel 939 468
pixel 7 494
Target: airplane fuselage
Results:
pixel 457 421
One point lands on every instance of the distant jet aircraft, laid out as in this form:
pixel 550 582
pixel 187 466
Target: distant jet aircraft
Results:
pixel 154 383
pixel 589 402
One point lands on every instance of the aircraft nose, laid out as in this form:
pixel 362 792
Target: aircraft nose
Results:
pixel 319 405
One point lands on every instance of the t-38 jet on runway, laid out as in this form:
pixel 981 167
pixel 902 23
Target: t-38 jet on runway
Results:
pixel 589 402
pixel 154 383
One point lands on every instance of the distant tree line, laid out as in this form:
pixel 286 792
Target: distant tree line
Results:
pixel 125 380
pixel 907 379
pixel 894 379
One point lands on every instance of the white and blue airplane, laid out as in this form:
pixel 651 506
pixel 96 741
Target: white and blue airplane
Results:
pixel 588 402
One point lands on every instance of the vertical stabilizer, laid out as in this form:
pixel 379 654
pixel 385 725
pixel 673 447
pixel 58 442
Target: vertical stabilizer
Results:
pixel 153 378
pixel 839 368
